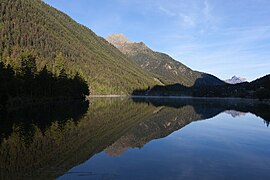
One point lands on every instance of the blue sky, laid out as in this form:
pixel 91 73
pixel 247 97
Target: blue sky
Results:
pixel 222 37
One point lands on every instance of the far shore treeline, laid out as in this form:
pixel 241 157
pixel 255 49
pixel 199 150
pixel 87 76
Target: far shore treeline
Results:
pixel 24 82
pixel 258 89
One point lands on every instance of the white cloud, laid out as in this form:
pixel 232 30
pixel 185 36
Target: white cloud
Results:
pixel 207 10
pixel 188 21
pixel 166 11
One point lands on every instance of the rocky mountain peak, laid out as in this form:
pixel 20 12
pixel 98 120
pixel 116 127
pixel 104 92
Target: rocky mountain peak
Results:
pixel 236 80
pixel 126 46
pixel 118 39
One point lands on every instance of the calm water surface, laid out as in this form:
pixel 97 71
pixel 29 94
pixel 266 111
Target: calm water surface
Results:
pixel 122 138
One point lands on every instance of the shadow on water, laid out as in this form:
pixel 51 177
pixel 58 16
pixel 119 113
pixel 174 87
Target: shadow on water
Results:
pixel 48 141
pixel 41 116
pixel 26 135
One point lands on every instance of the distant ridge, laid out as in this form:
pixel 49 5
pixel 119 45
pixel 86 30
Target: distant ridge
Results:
pixel 236 80
pixel 162 66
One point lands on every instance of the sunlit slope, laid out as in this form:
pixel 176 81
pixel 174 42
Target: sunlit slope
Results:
pixel 34 25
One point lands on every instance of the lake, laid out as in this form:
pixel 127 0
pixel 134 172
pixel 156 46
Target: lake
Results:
pixel 137 138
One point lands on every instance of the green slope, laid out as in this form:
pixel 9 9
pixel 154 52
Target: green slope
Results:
pixel 32 24
pixel 162 66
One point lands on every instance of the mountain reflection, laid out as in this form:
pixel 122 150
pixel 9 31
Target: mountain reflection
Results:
pixel 47 141
pixel 173 114
pixel 235 114
pixel 210 107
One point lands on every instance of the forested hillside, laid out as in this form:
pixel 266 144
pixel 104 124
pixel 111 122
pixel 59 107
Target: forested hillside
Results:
pixel 27 84
pixel 33 25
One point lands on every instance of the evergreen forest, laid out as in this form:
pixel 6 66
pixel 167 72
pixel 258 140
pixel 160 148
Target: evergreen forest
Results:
pixel 27 83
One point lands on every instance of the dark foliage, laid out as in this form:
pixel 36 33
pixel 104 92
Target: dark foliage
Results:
pixel 28 83
pixel 42 116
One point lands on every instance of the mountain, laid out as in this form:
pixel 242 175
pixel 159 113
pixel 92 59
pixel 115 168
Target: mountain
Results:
pixel 236 80
pixel 258 89
pixel 263 82
pixel 34 25
pixel 162 66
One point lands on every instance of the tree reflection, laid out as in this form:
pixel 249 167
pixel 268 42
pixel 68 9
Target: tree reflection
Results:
pixel 47 141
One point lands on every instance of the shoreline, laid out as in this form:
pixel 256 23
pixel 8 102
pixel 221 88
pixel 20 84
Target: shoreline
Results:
pixel 266 101
pixel 168 97
pixel 18 103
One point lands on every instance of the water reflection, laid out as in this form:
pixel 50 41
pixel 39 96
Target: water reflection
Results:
pixel 211 107
pixel 235 114
pixel 47 141
pixel 173 114
pixel 34 139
